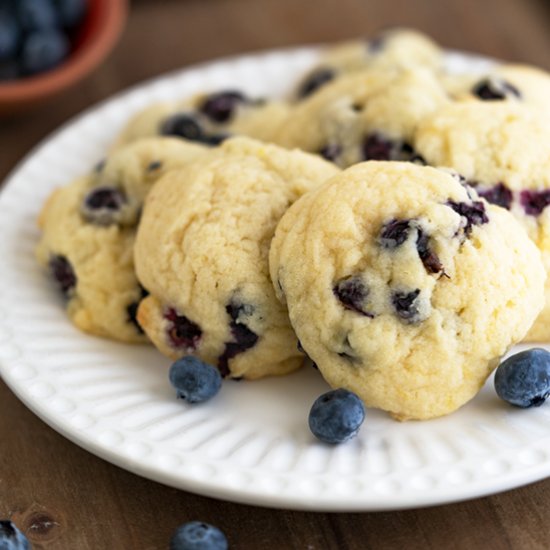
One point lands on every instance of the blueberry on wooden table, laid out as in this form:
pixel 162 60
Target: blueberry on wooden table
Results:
pixel 11 538
pixel 194 380
pixel 336 416
pixel 197 535
pixel 523 379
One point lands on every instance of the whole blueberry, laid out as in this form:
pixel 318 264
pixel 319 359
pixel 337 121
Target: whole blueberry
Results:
pixel 11 538
pixel 9 36
pixel 36 15
pixel 70 12
pixel 197 535
pixel 195 380
pixel 43 50
pixel 523 379
pixel 183 125
pixel 336 416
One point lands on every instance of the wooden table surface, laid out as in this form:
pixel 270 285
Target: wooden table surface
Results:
pixel 64 497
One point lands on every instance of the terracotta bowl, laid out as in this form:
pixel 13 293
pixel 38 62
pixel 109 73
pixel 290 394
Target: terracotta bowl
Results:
pixel 97 36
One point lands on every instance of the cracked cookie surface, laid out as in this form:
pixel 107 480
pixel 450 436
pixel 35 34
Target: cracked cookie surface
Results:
pixel 202 252
pixel 503 150
pixel 88 231
pixel 403 286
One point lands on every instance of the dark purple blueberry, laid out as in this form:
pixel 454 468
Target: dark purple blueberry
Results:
pixel 376 43
pixel 36 15
pixel 63 273
pixel 534 202
pixel 132 310
pixel 331 151
pixel 215 139
pixel 474 213
pixel 352 293
pixel 11 538
pixel 237 310
pixel 336 416
pixel 243 337
pixel 9 36
pixel 43 50
pixel 495 89
pixel 71 12
pixel 429 258
pixel 375 147
pixel 394 233
pixel 101 205
pixel 183 333
pixel 316 80
pixel 183 125
pixel 405 305
pixel 499 195
pixel 220 107
pixel 194 380
pixel 197 535
pixel 154 166
pixel 378 147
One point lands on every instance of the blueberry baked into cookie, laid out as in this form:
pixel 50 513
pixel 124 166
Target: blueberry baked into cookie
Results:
pixel 513 83
pixel 404 286
pixel 207 118
pixel 367 115
pixel 202 252
pixel 503 150
pixel 393 48
pixel 88 230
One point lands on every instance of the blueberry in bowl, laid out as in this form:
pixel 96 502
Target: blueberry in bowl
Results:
pixel 48 45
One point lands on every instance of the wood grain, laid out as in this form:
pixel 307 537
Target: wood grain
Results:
pixel 65 498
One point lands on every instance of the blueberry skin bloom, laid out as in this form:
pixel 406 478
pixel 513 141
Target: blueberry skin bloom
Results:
pixel 336 416
pixel 197 535
pixel 11 538
pixel 523 379
pixel 194 380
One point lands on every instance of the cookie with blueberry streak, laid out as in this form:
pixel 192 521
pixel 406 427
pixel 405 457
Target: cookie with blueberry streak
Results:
pixel 202 252
pixel 404 286
pixel 208 119
pixel 393 48
pixel 368 115
pixel 88 230
pixel 503 150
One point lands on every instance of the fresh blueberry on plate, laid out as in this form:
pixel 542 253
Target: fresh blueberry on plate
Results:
pixel 195 380
pixel 336 416
pixel 11 538
pixel 197 535
pixel 523 379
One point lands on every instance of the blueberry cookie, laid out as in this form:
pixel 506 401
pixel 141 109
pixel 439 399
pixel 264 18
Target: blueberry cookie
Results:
pixel 208 118
pixel 202 252
pixel 88 231
pixel 405 287
pixel 503 150
pixel 367 115
pixel 395 48
pixel 513 83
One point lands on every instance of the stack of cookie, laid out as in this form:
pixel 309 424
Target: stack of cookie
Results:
pixel 386 222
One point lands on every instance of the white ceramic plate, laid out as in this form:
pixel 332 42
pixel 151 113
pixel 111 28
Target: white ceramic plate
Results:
pixel 250 444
